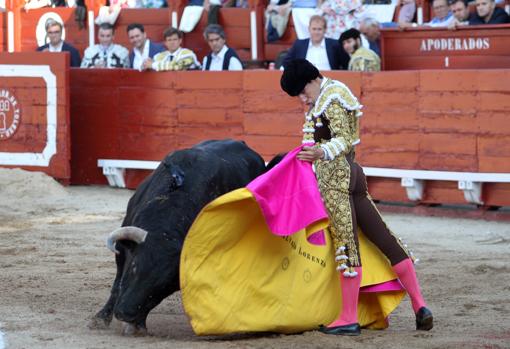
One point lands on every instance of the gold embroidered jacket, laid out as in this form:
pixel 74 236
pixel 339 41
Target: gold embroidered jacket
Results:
pixel 365 59
pixel 182 59
pixel 341 111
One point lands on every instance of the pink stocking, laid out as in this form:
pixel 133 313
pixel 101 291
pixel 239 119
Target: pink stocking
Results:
pixel 350 292
pixel 407 276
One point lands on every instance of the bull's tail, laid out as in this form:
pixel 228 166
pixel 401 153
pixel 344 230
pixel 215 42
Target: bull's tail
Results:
pixel 274 161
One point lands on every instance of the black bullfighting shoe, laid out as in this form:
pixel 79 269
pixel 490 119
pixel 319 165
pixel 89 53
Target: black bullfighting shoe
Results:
pixel 424 319
pixel 345 330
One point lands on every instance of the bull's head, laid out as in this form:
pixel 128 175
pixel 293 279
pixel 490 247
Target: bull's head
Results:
pixel 150 271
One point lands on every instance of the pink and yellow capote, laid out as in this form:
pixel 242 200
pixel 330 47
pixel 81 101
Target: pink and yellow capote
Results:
pixel 260 259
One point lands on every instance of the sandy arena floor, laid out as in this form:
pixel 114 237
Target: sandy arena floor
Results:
pixel 55 273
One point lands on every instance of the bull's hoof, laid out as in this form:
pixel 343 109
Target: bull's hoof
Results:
pixel 132 330
pixel 98 323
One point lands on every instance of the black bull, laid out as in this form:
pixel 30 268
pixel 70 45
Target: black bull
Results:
pixel 158 217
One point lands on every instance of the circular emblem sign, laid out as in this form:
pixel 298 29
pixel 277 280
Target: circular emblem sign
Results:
pixel 9 114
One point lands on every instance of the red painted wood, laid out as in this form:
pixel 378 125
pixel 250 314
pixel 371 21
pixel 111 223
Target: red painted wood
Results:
pixel 31 94
pixel 29 20
pixel 3 31
pixel 431 120
pixel 433 48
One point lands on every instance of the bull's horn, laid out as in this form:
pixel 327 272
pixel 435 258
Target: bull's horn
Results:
pixel 135 234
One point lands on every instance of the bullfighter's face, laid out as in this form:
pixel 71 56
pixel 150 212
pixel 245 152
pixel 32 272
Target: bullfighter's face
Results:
pixel 311 92
pixel 173 42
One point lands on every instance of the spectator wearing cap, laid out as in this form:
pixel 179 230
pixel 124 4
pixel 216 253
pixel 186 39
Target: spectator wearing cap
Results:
pixel 221 56
pixel 488 13
pixel 362 59
pixel 143 48
pixel 56 44
pixel 322 52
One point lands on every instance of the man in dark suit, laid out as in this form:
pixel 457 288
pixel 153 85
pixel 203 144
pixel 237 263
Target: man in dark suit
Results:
pixel 56 44
pixel 143 48
pixel 324 53
pixel 488 13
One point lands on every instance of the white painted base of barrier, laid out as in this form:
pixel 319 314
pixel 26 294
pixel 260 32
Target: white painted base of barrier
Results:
pixel 412 180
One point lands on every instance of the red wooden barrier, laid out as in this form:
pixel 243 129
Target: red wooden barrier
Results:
pixel 432 120
pixel 34 112
pixel 3 31
pixel 471 47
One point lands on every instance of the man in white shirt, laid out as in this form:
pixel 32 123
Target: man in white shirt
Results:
pixel 222 57
pixel 443 16
pixel 143 48
pixel 106 54
pixel 322 52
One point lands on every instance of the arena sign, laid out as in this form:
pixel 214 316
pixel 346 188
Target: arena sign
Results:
pixel 10 115
pixel 455 44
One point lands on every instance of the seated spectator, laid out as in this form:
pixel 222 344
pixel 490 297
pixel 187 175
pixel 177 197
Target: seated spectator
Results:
pixel 276 19
pixel 106 54
pixel 302 11
pixel 110 13
pixel 341 15
pixel 488 13
pixel 461 14
pixel 222 57
pixel 143 48
pixel 442 16
pixel 153 3
pixel 34 4
pixel 56 44
pixel 370 28
pixel 324 53
pixel 407 11
pixel 362 59
pixel 213 6
pixel 176 57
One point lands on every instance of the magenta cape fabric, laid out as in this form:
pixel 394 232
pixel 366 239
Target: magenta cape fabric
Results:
pixel 289 197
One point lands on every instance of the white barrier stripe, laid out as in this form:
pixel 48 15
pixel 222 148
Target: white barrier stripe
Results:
pixel 253 27
pixel 175 22
pixel 10 31
pixel 92 29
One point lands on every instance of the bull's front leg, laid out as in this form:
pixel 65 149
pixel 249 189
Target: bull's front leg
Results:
pixel 103 317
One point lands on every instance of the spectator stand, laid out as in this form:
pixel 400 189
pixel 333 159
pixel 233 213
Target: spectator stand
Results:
pixel 470 47
pixel 273 49
pixel 27 28
pixel 155 22
pixel 244 29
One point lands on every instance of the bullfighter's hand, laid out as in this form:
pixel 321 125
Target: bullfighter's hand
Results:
pixel 310 154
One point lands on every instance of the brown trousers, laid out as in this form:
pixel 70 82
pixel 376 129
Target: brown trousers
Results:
pixel 367 217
